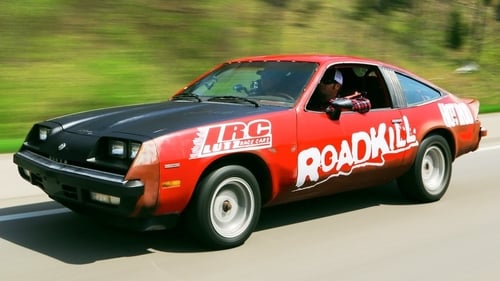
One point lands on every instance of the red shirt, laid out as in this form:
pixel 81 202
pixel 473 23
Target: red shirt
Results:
pixel 361 104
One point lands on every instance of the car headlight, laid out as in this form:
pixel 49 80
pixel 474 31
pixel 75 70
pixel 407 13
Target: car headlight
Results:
pixel 43 133
pixel 117 148
pixel 123 149
pixel 134 148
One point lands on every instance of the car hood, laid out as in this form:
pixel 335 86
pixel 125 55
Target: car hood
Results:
pixel 151 120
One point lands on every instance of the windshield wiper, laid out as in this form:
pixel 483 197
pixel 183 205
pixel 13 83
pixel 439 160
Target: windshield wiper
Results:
pixel 234 99
pixel 187 96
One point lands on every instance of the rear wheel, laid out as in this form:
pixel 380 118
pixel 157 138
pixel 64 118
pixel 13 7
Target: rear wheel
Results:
pixel 429 177
pixel 225 208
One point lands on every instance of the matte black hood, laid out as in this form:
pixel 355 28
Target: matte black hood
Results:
pixel 151 120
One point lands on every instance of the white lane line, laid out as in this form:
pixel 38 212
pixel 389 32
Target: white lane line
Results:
pixel 487 148
pixel 33 214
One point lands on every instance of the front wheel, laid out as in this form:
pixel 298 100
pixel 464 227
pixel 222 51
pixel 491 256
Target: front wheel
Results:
pixel 225 207
pixel 429 177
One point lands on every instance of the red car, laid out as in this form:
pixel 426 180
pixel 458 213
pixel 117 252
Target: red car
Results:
pixel 246 135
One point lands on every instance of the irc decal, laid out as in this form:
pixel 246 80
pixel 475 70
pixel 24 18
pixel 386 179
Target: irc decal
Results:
pixel 231 137
pixel 364 148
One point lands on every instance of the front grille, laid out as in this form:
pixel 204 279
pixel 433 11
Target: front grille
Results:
pixel 36 180
pixel 108 165
pixel 58 160
pixel 70 192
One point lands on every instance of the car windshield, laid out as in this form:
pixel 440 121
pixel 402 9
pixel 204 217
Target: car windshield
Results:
pixel 279 83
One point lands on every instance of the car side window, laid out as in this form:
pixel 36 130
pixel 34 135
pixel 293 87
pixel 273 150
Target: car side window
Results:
pixel 415 91
pixel 363 78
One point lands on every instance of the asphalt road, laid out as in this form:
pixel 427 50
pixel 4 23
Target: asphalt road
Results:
pixel 373 234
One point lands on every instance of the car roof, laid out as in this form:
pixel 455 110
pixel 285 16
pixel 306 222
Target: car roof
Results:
pixel 330 59
pixel 320 59
pixel 317 58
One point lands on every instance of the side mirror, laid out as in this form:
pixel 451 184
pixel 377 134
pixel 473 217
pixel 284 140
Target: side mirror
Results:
pixel 334 114
pixel 337 106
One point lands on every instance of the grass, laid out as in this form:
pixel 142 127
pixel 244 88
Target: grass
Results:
pixel 10 145
pixel 61 56
pixel 490 108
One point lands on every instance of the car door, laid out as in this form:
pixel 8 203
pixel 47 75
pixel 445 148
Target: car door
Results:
pixel 357 150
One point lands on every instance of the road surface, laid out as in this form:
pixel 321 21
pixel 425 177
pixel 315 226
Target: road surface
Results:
pixel 373 234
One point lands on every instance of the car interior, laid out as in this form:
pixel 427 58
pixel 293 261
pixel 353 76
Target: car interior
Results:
pixel 367 79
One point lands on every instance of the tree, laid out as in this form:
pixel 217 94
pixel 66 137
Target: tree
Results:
pixel 497 12
pixel 479 26
pixel 456 30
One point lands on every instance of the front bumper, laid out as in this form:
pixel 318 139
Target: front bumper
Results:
pixel 72 186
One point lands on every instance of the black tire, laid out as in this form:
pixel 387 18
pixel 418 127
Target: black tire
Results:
pixel 429 177
pixel 225 208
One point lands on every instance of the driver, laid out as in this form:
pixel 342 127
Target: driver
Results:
pixel 327 92
pixel 270 80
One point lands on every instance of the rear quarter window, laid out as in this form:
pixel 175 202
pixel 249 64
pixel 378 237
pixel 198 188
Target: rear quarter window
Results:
pixel 416 92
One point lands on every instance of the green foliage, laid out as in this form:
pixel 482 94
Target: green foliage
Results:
pixel 366 7
pixel 456 32
pixel 62 56
pixel 277 3
pixel 9 145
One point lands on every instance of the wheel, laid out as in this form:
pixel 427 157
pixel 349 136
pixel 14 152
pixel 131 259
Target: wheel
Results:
pixel 225 207
pixel 429 177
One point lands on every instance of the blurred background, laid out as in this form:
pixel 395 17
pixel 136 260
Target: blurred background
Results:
pixel 62 56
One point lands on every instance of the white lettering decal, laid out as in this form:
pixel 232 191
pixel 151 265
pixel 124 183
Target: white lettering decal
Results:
pixel 456 114
pixel 359 139
pixel 311 160
pixel 363 149
pixel 231 137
